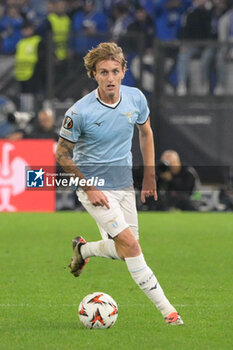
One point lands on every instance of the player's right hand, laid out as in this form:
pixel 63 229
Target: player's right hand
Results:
pixel 97 198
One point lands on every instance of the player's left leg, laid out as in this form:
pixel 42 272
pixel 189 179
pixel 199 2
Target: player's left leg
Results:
pixel 137 266
pixel 128 248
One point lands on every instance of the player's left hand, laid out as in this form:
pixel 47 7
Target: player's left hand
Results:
pixel 148 189
pixel 145 194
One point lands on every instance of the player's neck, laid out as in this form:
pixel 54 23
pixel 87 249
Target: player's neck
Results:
pixel 108 98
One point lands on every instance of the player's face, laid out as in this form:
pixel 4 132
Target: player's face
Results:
pixel 109 74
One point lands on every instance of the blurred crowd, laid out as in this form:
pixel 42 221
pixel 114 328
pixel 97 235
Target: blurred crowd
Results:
pixel 78 25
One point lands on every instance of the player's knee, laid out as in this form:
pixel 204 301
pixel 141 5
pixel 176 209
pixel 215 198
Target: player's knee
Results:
pixel 134 230
pixel 127 246
pixel 133 249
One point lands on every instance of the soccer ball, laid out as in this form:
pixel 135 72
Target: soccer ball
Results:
pixel 98 310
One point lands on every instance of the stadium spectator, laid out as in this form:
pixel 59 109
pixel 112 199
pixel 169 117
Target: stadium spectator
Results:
pixel 30 60
pixel 197 26
pixel 106 6
pixel 7 107
pixel 148 5
pixel 176 183
pixel 9 3
pixel 10 29
pixel 56 27
pixel 208 20
pixel 225 34
pixel 167 22
pixel 74 7
pixel 168 14
pixel 217 11
pixel 2 10
pixel 87 27
pixel 59 24
pixel 226 199
pixel 104 138
pixel 142 25
pixel 38 6
pixel 50 8
pixel 27 12
pixel 42 127
pixel 120 20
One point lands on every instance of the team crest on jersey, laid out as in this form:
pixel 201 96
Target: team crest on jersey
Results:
pixel 129 115
pixel 68 123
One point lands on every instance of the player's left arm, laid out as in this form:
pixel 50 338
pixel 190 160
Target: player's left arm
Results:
pixel 146 141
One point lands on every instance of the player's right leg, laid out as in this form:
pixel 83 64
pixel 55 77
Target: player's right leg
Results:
pixel 77 262
pixel 108 220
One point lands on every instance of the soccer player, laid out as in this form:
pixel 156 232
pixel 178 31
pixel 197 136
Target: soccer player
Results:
pixel 95 142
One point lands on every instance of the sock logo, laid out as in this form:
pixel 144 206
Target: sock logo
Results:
pixel 141 284
pixel 155 286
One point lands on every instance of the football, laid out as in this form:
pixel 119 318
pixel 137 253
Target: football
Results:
pixel 98 310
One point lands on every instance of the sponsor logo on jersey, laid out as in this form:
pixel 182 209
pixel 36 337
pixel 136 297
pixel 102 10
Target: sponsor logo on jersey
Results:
pixel 99 123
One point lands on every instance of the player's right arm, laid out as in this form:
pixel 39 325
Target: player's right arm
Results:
pixel 64 155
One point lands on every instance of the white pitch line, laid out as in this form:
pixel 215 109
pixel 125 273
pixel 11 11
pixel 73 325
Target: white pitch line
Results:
pixel 65 305
pixel 43 305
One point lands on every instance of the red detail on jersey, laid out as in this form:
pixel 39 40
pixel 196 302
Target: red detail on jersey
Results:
pixel 83 311
pixel 97 317
pixel 96 300
pixel 114 312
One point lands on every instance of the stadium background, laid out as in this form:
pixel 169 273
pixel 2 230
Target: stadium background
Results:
pixel 197 125
pixel 191 253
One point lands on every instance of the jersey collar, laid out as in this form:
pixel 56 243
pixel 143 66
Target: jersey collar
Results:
pixel 113 105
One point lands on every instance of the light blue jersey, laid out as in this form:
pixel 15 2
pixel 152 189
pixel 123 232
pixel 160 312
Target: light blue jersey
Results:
pixel 103 135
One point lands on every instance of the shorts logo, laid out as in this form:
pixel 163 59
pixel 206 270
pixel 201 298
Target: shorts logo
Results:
pixel 68 123
pixel 115 224
pixel 35 178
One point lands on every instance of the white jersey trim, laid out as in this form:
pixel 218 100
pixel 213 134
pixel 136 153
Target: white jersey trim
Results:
pixel 112 105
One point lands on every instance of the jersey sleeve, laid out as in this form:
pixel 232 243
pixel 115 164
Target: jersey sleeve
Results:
pixel 72 125
pixel 144 109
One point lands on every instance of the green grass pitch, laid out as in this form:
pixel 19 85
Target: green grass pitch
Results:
pixel 190 253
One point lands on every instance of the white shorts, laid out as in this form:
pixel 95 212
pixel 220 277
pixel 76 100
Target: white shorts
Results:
pixel 121 215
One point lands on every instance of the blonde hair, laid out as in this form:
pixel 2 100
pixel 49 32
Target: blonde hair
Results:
pixel 104 51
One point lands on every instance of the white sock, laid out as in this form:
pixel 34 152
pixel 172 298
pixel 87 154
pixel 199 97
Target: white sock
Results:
pixel 146 280
pixel 105 248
